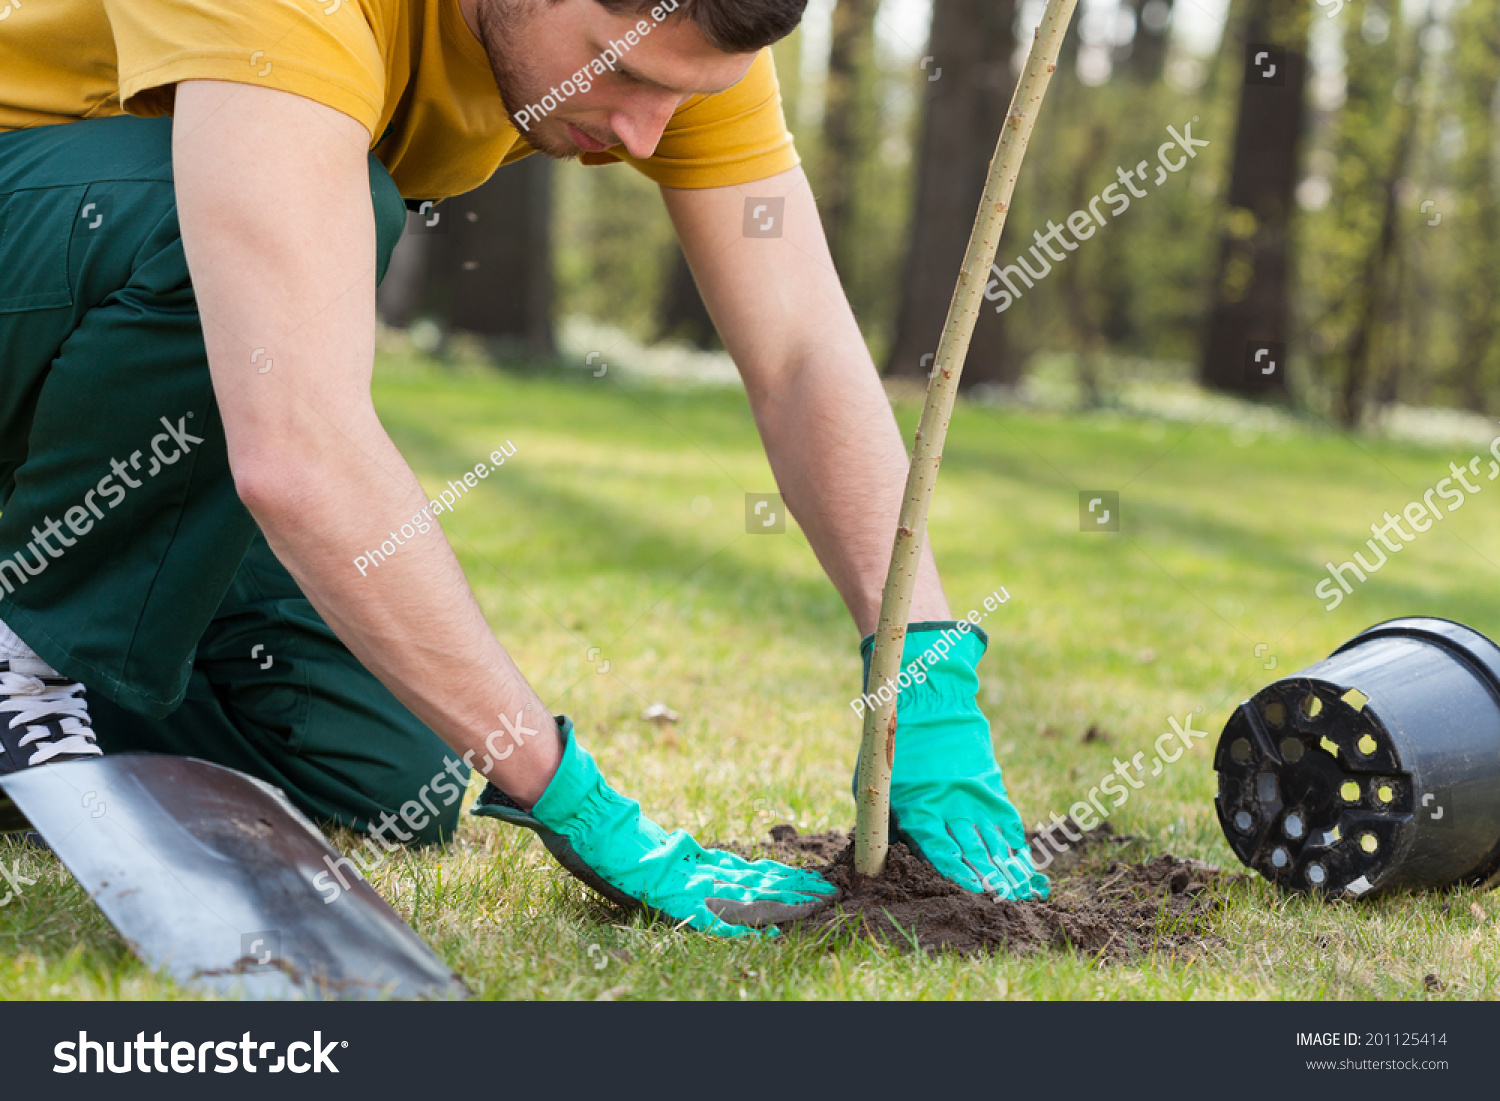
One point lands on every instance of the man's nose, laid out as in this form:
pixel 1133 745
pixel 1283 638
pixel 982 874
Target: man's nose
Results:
pixel 640 127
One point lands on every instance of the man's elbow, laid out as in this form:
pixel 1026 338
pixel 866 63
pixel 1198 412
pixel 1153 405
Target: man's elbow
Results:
pixel 272 487
pixel 285 462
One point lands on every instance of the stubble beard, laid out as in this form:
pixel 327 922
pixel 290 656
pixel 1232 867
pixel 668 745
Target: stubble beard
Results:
pixel 503 29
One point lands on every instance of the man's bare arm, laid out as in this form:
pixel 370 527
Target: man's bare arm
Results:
pixel 827 426
pixel 274 201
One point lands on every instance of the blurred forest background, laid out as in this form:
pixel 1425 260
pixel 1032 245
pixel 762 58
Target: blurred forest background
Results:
pixel 1342 224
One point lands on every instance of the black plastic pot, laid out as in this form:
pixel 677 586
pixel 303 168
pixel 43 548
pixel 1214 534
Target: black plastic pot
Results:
pixel 1376 769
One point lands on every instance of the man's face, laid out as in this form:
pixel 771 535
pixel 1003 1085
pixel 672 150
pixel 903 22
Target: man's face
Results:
pixel 536 45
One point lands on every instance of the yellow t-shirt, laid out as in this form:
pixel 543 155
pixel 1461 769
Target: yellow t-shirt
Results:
pixel 411 71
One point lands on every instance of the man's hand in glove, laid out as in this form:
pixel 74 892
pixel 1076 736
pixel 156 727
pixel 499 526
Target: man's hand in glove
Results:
pixel 603 839
pixel 948 802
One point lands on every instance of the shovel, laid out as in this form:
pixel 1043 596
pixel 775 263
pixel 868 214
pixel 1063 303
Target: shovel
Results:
pixel 208 875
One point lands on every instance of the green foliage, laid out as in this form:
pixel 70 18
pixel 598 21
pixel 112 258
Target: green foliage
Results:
pixel 1138 283
pixel 882 185
pixel 1364 144
pixel 1429 313
pixel 612 238
pixel 1466 273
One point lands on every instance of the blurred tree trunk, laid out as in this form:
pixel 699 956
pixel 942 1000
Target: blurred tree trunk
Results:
pixel 1077 295
pixel 499 257
pixel 1475 372
pixel 850 126
pixel 1147 60
pixel 1251 289
pixel 969 84
pixel 682 314
pixel 399 297
pixel 1375 292
pixel 1408 334
pixel 1477 28
pixel 487 267
pixel 787 56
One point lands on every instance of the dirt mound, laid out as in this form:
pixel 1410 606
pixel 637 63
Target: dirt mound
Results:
pixel 823 848
pixel 1101 903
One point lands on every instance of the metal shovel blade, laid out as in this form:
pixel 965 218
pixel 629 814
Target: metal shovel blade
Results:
pixel 208 874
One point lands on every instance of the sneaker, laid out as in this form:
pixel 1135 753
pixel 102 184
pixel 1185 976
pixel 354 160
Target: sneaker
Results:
pixel 48 716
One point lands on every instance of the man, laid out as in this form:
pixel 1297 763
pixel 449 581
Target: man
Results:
pixel 199 201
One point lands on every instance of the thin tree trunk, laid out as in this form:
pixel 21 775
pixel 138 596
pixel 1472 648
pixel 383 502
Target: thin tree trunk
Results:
pixel 1376 271
pixel 877 747
pixel 1478 340
pixel 1087 337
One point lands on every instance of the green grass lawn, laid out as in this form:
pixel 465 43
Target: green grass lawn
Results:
pixel 616 534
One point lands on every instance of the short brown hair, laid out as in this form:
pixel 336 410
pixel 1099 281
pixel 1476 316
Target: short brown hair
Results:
pixel 733 26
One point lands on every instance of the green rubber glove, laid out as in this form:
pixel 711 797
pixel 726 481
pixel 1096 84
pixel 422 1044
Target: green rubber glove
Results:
pixel 948 801
pixel 602 838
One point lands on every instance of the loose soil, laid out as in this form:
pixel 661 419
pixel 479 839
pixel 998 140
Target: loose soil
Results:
pixel 1106 900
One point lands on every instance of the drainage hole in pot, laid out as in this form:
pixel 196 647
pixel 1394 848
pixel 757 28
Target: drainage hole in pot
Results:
pixel 1355 699
pixel 1312 707
pixel 1280 858
pixel 1368 842
pixel 1243 820
pixel 1291 750
pixel 1293 826
pixel 1349 792
pixel 1316 875
pixel 1239 749
pixel 1275 713
pixel 1385 793
pixel 1366 745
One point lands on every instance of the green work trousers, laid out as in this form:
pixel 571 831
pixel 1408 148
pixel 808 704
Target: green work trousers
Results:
pixel 126 559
